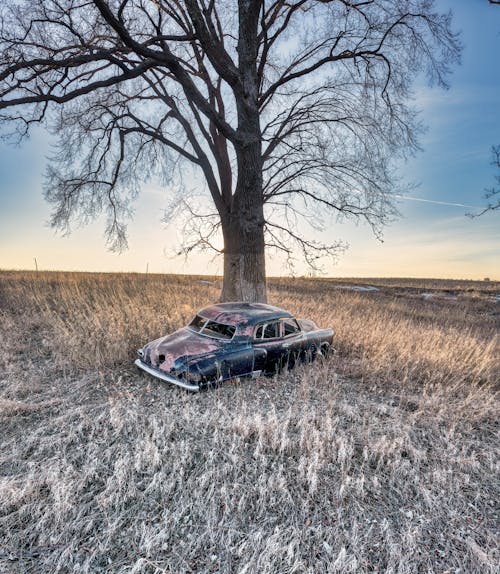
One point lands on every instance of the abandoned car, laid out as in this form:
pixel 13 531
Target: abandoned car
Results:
pixel 231 340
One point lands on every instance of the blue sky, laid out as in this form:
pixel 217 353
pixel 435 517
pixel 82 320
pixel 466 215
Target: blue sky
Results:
pixel 430 239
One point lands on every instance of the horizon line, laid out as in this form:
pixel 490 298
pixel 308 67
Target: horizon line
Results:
pixel 317 277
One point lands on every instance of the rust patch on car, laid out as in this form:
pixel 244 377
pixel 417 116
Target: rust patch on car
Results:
pixel 181 343
pixel 246 330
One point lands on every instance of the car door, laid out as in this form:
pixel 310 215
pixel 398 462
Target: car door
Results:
pixel 237 361
pixel 267 336
pixel 292 340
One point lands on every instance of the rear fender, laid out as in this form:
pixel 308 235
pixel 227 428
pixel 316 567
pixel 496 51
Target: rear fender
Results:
pixel 259 359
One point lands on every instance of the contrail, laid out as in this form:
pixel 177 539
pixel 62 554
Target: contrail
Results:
pixel 436 202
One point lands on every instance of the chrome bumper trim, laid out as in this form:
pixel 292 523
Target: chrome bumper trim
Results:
pixel 164 377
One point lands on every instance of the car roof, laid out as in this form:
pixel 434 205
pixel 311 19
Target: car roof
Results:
pixel 239 313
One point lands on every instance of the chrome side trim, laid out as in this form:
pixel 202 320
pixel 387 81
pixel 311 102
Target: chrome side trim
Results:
pixel 164 377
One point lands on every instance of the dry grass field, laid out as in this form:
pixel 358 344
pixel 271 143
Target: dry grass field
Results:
pixel 383 459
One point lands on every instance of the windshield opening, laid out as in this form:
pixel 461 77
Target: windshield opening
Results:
pixel 212 328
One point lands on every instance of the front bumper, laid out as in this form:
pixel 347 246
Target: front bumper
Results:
pixel 164 377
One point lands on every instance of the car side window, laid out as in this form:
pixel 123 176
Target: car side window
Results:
pixel 268 331
pixel 272 330
pixel 290 327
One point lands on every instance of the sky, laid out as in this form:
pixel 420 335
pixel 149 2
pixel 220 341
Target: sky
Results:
pixel 432 238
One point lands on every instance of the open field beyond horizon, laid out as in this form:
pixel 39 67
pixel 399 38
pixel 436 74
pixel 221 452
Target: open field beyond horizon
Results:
pixel 385 458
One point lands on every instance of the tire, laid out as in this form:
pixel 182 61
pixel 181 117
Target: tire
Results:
pixel 203 385
pixel 219 376
pixel 307 356
pixel 281 363
pixel 325 351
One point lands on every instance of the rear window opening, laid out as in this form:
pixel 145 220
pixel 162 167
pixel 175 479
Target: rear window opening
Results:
pixel 290 327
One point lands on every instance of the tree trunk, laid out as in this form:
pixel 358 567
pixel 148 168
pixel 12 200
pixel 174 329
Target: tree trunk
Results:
pixel 243 227
pixel 243 231
pixel 244 271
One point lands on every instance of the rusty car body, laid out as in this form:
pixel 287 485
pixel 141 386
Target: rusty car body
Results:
pixel 231 340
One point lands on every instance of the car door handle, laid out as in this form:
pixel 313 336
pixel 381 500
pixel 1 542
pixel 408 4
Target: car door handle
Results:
pixel 286 345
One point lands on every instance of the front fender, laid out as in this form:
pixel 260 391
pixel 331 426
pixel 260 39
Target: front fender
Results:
pixel 227 364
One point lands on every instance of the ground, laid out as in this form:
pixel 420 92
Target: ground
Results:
pixel 382 459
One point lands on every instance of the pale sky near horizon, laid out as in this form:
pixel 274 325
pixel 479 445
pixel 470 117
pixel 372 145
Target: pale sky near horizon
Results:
pixel 433 238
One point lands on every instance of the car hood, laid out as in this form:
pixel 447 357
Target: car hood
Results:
pixel 180 344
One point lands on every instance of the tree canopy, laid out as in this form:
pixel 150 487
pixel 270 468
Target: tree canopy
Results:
pixel 286 110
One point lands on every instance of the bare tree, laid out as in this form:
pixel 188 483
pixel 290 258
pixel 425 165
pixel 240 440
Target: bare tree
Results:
pixel 287 108
pixel 492 195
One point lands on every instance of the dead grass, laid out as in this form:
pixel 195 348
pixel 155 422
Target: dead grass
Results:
pixel 20 407
pixel 385 459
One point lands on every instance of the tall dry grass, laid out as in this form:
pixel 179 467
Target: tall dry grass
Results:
pixel 88 321
pixel 384 459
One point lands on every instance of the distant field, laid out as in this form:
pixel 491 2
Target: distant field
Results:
pixel 384 459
